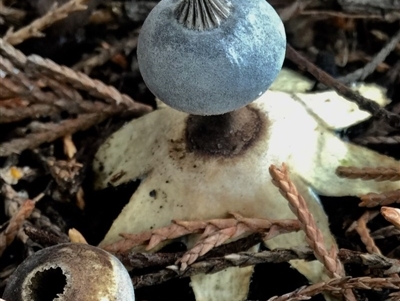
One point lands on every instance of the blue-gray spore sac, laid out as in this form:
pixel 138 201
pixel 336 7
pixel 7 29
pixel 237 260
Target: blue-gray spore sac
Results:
pixel 213 71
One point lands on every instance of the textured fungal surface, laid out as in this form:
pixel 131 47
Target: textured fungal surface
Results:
pixel 67 272
pixel 213 71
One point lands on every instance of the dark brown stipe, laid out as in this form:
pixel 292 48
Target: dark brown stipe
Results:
pixel 224 135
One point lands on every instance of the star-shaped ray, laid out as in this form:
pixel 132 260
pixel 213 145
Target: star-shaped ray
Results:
pixel 177 183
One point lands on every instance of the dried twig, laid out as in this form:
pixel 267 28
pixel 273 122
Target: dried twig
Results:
pixel 384 37
pixel 31 111
pixel 11 53
pixel 58 77
pixel 38 65
pixel 243 259
pixel 138 261
pixel 53 132
pixel 214 265
pixel 369 173
pixel 339 284
pixel 181 228
pixel 44 237
pixel 340 14
pixel 51 103
pixel 385 232
pixel 380 199
pixel 297 204
pixel 362 102
pixel 11 13
pixel 369 68
pixel 314 238
pixel 16 222
pixel 363 231
pixel 105 54
pixel 215 236
pixel 34 29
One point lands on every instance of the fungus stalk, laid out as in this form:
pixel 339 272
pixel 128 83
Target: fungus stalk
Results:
pixel 228 134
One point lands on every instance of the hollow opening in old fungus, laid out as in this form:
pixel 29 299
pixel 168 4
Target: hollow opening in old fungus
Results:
pixel 47 285
pixel 224 135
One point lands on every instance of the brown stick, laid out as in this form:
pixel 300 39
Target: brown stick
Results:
pixel 363 103
pixel 243 259
pixel 34 29
pixel 55 131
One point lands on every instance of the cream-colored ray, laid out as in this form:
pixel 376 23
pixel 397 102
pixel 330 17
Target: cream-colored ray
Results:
pixel 330 109
pixel 183 185
pixel 177 184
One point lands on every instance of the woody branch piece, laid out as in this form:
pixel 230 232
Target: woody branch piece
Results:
pixel 181 228
pixel 215 235
pixel 55 131
pixel 280 178
pixel 125 45
pixel 79 81
pixel 364 232
pixel 380 199
pixel 35 28
pixel 15 223
pixel 314 238
pixel 138 260
pixel 369 173
pixel 362 102
pixel 213 264
pixel 340 284
pixel 63 78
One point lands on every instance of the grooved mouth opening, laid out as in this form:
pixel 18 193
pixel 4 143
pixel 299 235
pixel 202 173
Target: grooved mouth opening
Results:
pixel 202 14
pixel 47 285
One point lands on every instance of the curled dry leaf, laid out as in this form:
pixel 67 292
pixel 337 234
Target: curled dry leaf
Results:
pixel 76 237
pixel 179 182
pixel 69 146
pixel 392 215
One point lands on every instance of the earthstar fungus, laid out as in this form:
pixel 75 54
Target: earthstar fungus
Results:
pixel 207 153
pixel 70 272
pixel 177 183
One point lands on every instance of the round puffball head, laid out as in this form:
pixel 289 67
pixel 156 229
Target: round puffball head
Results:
pixel 212 71
pixel 70 272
